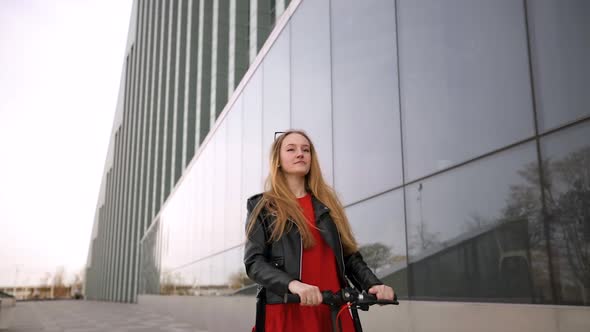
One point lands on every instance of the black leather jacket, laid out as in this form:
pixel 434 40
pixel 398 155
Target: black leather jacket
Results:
pixel 274 265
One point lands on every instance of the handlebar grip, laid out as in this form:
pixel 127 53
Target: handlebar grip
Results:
pixel 327 298
pixel 368 297
pixel 291 298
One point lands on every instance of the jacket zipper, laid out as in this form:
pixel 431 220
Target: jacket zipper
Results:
pixel 300 256
pixel 300 249
pixel 341 252
pixel 342 255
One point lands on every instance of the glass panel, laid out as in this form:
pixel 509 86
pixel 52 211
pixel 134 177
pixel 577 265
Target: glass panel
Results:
pixel 242 40
pixel 311 78
pixel 252 155
pixel 219 180
pixel 177 219
pixel 191 119
pixel 465 80
pixel 198 202
pixel 208 160
pixel 560 49
pixel 234 230
pixel 191 206
pixel 180 281
pixel 238 281
pixel 475 232
pixel 220 274
pixel 182 116
pixel 187 218
pixel 171 86
pixel 172 255
pixel 379 228
pixel 367 148
pixel 166 257
pixel 276 95
pixel 263 23
pixel 149 277
pixel 566 163
pixel 221 46
pixel 204 87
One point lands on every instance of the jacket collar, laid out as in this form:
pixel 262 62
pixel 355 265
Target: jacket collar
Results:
pixel 319 208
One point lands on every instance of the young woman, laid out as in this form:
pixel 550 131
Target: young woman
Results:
pixel 299 241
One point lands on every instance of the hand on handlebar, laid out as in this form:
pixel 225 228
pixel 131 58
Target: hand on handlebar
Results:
pixel 383 292
pixel 309 294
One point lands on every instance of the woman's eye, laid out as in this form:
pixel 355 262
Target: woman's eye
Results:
pixel 289 149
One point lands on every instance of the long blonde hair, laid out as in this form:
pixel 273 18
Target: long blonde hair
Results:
pixel 280 202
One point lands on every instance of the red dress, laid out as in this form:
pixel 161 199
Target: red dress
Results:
pixel 319 269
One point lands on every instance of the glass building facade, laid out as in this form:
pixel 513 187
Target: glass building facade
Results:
pixel 184 59
pixel 456 133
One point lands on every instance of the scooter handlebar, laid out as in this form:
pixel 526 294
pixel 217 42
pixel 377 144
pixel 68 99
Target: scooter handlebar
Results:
pixel 344 296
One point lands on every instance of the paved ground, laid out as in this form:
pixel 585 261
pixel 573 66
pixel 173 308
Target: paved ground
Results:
pixel 89 316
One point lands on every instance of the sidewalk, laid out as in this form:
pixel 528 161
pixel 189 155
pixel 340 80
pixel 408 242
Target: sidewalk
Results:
pixel 90 316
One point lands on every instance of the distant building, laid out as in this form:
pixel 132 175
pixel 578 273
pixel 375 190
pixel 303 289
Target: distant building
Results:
pixel 39 292
pixel 184 59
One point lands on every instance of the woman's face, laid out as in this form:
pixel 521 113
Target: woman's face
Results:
pixel 295 155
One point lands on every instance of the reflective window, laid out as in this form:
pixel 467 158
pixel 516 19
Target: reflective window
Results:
pixel 179 221
pixel 220 66
pixel 149 275
pixel 560 49
pixel 176 239
pixel 476 233
pixel 219 274
pixel 252 152
pixel 261 19
pixel 566 163
pixel 206 182
pixel 235 274
pixel 232 228
pixel 182 116
pixel 204 87
pixel 191 118
pixel 181 281
pixel 188 218
pixel 464 72
pixel 276 94
pixel 311 79
pixel 379 228
pixel 171 84
pixel 197 208
pixel 367 149
pixel 242 40
pixel 190 178
pixel 219 186
pixel 202 193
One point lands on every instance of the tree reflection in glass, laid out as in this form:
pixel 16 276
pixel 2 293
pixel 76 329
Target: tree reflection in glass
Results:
pixel 466 241
pixel 567 201
pixel 567 197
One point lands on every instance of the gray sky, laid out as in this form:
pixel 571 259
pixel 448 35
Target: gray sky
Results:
pixel 60 69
